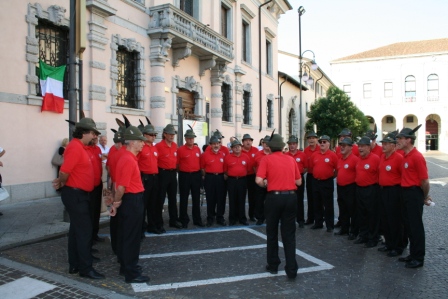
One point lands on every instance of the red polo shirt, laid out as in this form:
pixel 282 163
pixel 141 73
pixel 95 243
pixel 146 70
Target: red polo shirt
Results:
pixel 347 170
pixel 212 162
pixel 324 164
pixel 280 171
pixel 355 151
pixel 189 159
pixel 112 161
pixel 112 151
pixel 128 174
pixel 400 151
pixel 78 165
pixel 167 155
pixel 309 152
pixel 251 154
pixel 377 150
pixel 147 159
pixel 236 166
pixel 257 158
pixel 94 153
pixel 390 169
pixel 367 170
pixel 413 169
pixel 222 149
pixel 301 160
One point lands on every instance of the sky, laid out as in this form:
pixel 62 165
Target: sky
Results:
pixel 334 29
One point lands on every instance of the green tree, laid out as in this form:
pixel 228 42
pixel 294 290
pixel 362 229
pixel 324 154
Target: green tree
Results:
pixel 335 112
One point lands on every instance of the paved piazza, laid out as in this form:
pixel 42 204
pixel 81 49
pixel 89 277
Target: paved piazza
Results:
pixel 229 263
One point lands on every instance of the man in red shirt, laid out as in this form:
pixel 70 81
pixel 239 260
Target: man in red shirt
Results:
pixel 190 179
pixel 302 162
pixel 375 148
pixel 415 189
pixel 212 165
pixel 222 148
pixel 390 205
pixel 367 194
pixel 312 147
pixel 281 176
pixel 346 189
pixel 167 164
pixel 324 163
pixel 260 192
pixel 236 166
pixel 344 134
pixel 128 199
pixel 76 176
pixel 147 163
pixel 250 151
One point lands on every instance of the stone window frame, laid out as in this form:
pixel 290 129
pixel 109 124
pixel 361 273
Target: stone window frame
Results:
pixel 270 112
pixel 55 14
pixel 246 16
pixel 229 7
pixel 131 45
pixel 229 82
pixel 197 5
pixel 247 88
pixel 189 84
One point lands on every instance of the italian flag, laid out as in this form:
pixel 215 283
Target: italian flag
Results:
pixel 51 85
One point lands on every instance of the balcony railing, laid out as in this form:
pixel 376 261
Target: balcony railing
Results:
pixel 432 98
pixel 410 99
pixel 167 18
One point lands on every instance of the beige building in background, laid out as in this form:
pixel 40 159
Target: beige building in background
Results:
pixel 171 61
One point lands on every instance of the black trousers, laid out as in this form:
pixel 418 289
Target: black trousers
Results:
pixel 391 217
pixel 251 194
pixel 129 233
pixel 347 208
pixel 323 201
pixel 309 197
pixel 215 191
pixel 168 187
pixel 367 202
pixel 300 206
pixel 413 205
pixel 281 208
pixel 236 188
pixel 190 182
pixel 260 200
pixel 77 204
pixel 152 211
pixel 95 208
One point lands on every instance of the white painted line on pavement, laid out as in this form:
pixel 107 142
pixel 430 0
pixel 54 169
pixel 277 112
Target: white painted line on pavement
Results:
pixel 143 287
pixel 436 164
pixel 24 288
pixel 437 183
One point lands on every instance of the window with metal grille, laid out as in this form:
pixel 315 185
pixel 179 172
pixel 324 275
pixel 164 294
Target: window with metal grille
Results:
pixel 226 109
pixel 270 113
pixel 245 44
pixel 53 49
pixel 224 20
pixel 187 6
pixel 246 108
pixel 433 86
pixel 127 83
pixel 409 86
pixel 268 57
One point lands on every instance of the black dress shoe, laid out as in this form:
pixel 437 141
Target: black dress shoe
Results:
pixel 394 253
pixel 315 226
pixel 384 249
pixel 154 231
pixel 176 224
pixel 73 270
pixel 371 244
pixel 341 233
pixel 209 223
pixel 95 259
pixel 351 237
pixel 271 270
pixel 185 225
pixel 139 279
pixel 259 222
pixel 338 224
pixel 308 222
pixel 360 241
pixel 138 267
pixel 92 274
pixel 405 259
pixel 200 224
pixel 414 264
pixel 291 276
pixel 244 222
pixel 162 230
pixel 231 223
pixel 221 222
pixel 329 230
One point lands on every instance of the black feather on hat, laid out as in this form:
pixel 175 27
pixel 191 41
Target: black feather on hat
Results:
pixel 120 123
pixel 126 121
pixel 147 119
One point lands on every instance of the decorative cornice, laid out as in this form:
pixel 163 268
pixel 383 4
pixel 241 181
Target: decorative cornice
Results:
pixel 101 7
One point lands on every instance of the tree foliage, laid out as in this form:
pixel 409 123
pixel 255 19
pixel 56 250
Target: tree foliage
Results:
pixel 335 112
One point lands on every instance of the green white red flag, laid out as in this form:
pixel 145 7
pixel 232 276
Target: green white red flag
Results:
pixel 52 85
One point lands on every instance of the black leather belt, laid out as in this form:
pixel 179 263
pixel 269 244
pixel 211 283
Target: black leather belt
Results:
pixel 76 189
pixel 282 192
pixel 394 186
pixel 214 173
pixel 190 172
pixel 236 177
pixel 174 169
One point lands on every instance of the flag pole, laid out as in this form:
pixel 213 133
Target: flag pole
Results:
pixel 72 68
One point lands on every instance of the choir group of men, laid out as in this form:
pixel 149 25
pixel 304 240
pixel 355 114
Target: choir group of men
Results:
pixel 373 182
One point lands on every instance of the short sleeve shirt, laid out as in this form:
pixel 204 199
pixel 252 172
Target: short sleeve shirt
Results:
pixel 78 166
pixel 301 160
pixel 236 165
pixel 309 152
pixel 212 162
pixel 367 170
pixel 280 170
pixel 377 150
pixel 167 155
pixel 251 154
pixel 94 153
pixel 148 159
pixel 324 164
pixel 347 170
pixel 113 160
pixel 355 151
pixel 413 169
pixel 390 169
pixel 189 159
pixel 128 173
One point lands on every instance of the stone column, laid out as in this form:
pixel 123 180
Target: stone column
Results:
pixel 160 44
pixel 238 100
pixel 217 77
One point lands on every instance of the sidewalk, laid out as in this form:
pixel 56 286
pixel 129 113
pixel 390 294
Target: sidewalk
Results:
pixel 32 221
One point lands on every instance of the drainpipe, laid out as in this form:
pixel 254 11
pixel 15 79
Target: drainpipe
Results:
pixel 315 89
pixel 280 100
pixel 259 59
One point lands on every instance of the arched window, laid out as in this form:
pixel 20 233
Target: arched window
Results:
pixel 433 87
pixel 409 87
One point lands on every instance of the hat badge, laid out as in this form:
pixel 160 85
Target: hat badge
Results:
pixel 367 166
